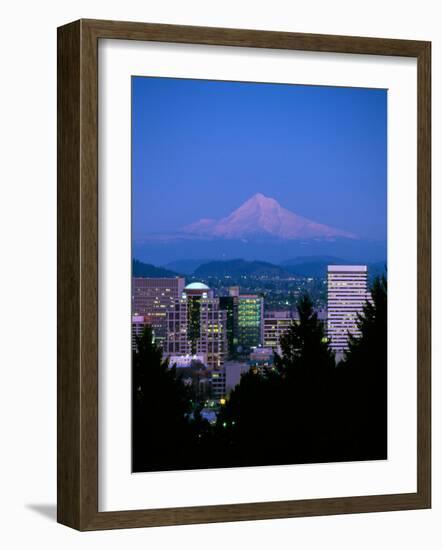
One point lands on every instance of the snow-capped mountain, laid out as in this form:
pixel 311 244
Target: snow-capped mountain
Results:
pixel 263 216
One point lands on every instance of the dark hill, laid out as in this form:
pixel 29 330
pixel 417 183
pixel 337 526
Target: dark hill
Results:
pixel 185 266
pixel 140 269
pixel 239 268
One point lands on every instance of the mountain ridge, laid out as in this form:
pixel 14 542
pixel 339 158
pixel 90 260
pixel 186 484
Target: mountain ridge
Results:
pixel 314 267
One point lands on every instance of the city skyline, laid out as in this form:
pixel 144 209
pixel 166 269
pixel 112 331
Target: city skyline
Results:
pixel 181 313
pixel 214 336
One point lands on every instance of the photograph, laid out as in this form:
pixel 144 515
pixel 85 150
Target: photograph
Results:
pixel 259 274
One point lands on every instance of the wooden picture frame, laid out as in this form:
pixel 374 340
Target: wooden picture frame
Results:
pixel 78 274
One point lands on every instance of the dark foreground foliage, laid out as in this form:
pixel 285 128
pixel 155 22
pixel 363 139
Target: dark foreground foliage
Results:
pixel 304 410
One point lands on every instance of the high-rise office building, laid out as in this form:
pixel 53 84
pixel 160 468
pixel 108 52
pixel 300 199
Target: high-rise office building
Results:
pixel 152 297
pixel 218 384
pixel 347 295
pixel 276 323
pixel 196 324
pixel 138 325
pixel 250 321
pixel 230 305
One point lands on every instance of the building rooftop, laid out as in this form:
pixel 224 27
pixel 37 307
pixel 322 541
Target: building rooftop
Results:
pixel 262 351
pixel 350 268
pixel 196 286
pixel 281 314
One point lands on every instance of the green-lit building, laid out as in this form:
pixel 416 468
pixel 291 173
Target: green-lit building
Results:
pixel 250 321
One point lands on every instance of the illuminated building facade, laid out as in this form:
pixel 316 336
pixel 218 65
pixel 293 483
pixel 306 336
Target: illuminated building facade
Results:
pixel 152 297
pixel 197 325
pixel 139 323
pixel 218 383
pixel 347 295
pixel 250 321
pixel 261 358
pixel 276 323
pixel 186 361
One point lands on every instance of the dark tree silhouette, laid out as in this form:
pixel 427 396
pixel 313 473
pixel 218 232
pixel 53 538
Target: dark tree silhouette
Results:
pixel 362 380
pixel 307 366
pixel 161 409
pixel 369 350
pixel 280 415
pixel 304 345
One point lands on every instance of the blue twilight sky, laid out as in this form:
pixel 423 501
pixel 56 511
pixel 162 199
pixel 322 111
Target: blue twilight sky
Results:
pixel 201 148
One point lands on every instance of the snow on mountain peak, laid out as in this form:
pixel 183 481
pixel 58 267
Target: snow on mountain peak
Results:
pixel 261 215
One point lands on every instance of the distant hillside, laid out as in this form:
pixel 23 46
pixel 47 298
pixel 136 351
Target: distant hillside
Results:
pixel 318 267
pixel 185 266
pixel 162 252
pixel 329 260
pixel 311 266
pixel 239 268
pixel 140 269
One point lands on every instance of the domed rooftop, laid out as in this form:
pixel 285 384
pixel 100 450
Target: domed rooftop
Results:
pixel 196 286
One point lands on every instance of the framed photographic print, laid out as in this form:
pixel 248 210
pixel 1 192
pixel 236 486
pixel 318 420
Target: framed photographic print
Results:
pixel 243 274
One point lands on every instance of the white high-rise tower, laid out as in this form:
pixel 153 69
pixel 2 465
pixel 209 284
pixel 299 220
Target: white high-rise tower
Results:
pixel 347 294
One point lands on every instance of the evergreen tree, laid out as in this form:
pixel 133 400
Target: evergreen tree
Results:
pixel 281 415
pixel 307 366
pixel 369 349
pixel 304 345
pixel 248 426
pixel 161 409
pixel 362 381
